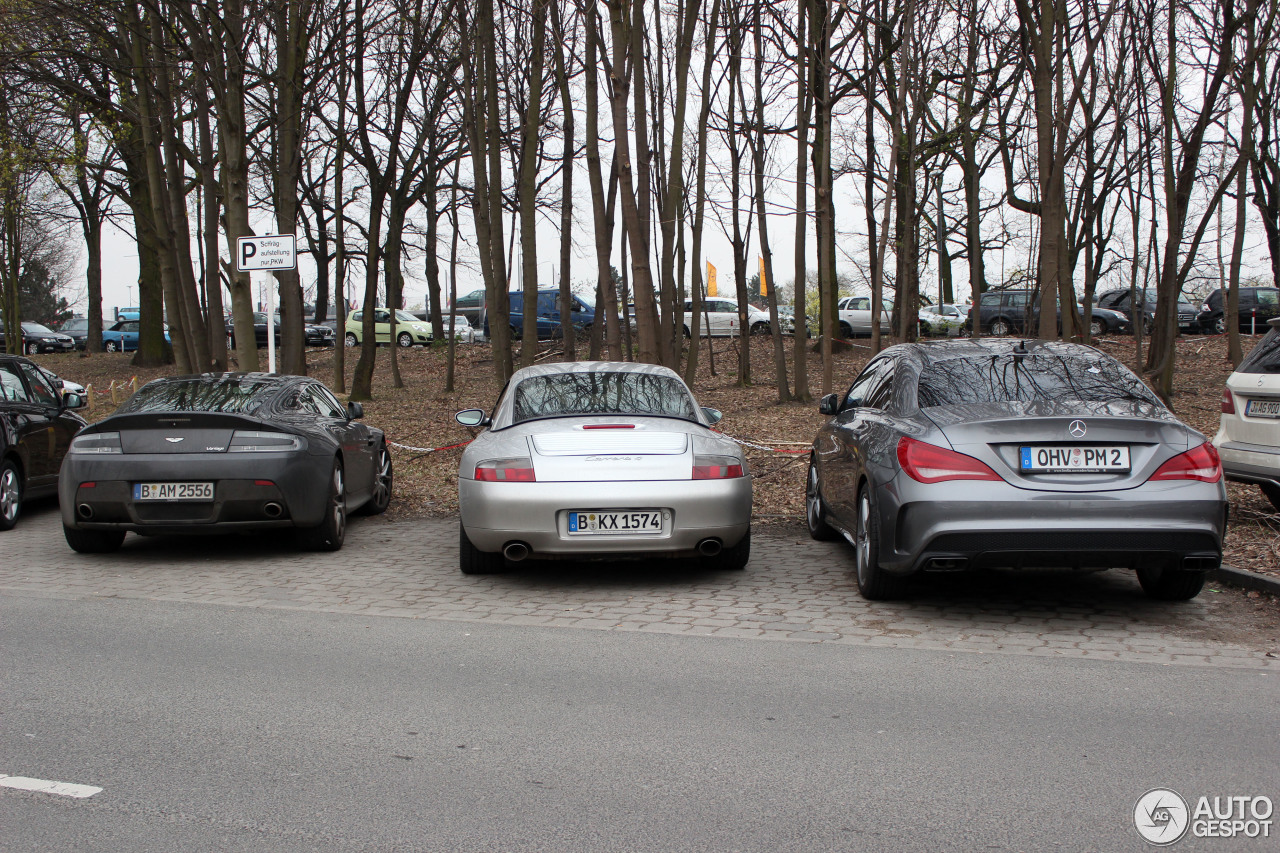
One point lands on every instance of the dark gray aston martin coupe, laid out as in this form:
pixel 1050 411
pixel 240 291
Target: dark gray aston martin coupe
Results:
pixel 219 452
pixel 996 453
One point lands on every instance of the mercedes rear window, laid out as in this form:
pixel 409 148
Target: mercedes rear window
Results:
pixel 1006 377
pixel 1265 357
pixel 224 394
pixel 601 393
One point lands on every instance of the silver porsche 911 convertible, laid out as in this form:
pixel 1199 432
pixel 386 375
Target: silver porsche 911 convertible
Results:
pixel 600 460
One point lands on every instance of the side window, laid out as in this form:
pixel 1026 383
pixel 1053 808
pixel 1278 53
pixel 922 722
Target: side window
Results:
pixel 11 388
pixel 326 403
pixel 41 390
pixel 861 303
pixel 882 390
pixel 1268 299
pixel 356 316
pixel 860 392
pixel 130 327
pixel 990 300
pixel 381 316
pixel 1017 300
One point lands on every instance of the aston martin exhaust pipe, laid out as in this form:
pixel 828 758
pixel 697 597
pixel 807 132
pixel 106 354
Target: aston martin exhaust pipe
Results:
pixel 515 551
pixel 273 509
pixel 84 511
pixel 709 547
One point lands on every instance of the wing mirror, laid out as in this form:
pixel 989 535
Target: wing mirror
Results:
pixel 829 405
pixel 72 401
pixel 472 418
pixel 713 416
pixel 355 411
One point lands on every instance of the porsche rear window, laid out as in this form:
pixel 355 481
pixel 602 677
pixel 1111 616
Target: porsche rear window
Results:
pixel 1025 378
pixel 601 393
pixel 223 394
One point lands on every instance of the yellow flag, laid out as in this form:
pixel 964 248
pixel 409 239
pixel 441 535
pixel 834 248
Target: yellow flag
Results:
pixel 711 279
pixel 764 285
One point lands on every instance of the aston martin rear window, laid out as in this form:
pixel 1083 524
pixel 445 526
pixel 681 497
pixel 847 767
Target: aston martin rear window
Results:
pixel 1001 378
pixel 601 393
pixel 223 394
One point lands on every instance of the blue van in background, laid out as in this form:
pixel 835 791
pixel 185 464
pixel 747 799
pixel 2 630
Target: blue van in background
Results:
pixel 581 314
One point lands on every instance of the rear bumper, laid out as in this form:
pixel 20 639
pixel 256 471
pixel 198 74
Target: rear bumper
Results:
pixel 1250 463
pixel 995 525
pixel 495 514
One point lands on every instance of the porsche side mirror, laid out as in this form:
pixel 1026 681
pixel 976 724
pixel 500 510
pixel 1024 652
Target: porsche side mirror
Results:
pixel 472 418
pixel 829 405
pixel 714 416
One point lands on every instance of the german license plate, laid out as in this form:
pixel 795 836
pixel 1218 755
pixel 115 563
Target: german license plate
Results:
pixel 173 491
pixel 615 523
pixel 1263 408
pixel 1076 459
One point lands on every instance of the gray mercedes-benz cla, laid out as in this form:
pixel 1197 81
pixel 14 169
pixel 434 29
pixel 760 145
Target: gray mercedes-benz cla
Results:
pixel 1006 454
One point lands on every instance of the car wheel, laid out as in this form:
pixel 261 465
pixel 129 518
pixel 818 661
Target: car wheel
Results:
pixel 760 329
pixel 1220 326
pixel 382 482
pixel 733 559
pixel 1001 327
pixel 93 541
pixel 1171 584
pixel 351 340
pixel 874 583
pixel 111 346
pixel 1272 492
pixel 1097 329
pixel 330 533
pixel 1147 325
pixel 473 561
pixel 925 329
pixel 814 511
pixel 33 349
pixel 686 332
pixel 405 339
pixel 846 331
pixel 10 494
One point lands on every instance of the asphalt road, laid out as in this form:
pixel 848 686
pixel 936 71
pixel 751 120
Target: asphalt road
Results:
pixel 211 727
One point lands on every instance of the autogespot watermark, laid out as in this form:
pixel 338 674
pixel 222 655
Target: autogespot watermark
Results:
pixel 1162 817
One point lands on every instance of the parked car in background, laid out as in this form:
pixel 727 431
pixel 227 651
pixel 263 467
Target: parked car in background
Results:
pixel 943 319
pixel 1103 321
pixel 956 455
pixel 225 452
pixel 314 334
pixel 582 315
pixel 409 329
pixel 1248 436
pixel 600 459
pixel 1008 312
pixel 470 307
pixel 461 325
pixel 64 386
pixel 1257 306
pixel 37 423
pixel 77 328
pixel 855 316
pixel 1123 301
pixel 720 318
pixel 40 339
pixel 123 336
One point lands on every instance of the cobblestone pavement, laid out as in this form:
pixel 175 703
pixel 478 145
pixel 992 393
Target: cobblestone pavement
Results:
pixel 793 590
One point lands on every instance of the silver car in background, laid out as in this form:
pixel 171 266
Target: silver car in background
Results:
pixel 600 459
pixel 985 453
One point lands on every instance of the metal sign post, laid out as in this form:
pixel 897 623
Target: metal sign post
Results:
pixel 271 253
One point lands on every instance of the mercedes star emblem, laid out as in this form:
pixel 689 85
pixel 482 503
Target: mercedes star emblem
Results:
pixel 1077 429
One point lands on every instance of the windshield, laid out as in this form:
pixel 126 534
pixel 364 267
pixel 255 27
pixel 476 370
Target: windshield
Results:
pixel 405 317
pixel 601 393
pixel 218 394
pixel 36 329
pixel 1006 377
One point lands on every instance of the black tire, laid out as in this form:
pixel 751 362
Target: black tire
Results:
pixel 760 329
pixel 1147 325
pixel 846 331
pixel 1272 493
pixel 93 541
pixel 815 509
pixel 10 494
pixel 1171 584
pixel 1097 328
pixel 1220 325
pixel 925 329
pixel 473 561
pixel 1000 327
pixel 330 533
pixel 112 346
pixel 733 559
pixel 383 480
pixel 351 340
pixel 33 349
pixel 874 583
pixel 404 339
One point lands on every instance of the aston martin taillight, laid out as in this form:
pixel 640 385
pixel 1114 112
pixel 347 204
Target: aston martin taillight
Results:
pixel 506 471
pixel 1198 463
pixel 928 463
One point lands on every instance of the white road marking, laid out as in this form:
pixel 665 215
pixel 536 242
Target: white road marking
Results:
pixel 44 786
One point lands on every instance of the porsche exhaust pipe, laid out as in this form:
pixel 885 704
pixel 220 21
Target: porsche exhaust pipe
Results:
pixel 273 509
pixel 709 547
pixel 515 551
pixel 84 511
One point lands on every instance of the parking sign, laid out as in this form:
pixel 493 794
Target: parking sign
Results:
pixel 267 252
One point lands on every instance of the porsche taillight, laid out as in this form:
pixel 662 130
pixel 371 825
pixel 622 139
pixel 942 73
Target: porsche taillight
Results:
pixel 1198 463
pixel 506 471
pixel 717 468
pixel 928 463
